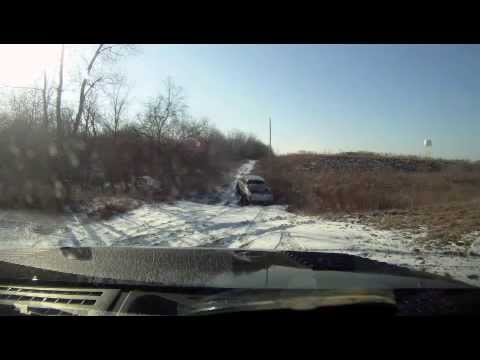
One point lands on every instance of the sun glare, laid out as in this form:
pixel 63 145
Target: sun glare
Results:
pixel 23 65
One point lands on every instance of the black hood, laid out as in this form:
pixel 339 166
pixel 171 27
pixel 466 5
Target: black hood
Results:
pixel 209 268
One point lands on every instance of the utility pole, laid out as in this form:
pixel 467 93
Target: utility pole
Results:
pixel 270 125
pixel 270 143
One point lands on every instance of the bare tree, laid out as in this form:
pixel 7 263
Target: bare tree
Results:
pixel 59 99
pixel 117 95
pixel 163 110
pixel 59 169
pixel 109 53
pixel 45 100
pixel 92 115
pixel 23 107
pixel 181 130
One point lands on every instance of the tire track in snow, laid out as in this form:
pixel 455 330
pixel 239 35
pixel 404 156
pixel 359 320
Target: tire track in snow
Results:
pixel 197 221
pixel 281 240
pixel 93 235
pixel 73 241
pixel 242 236
pixel 193 218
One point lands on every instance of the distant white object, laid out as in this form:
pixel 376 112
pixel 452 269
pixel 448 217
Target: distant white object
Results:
pixel 427 142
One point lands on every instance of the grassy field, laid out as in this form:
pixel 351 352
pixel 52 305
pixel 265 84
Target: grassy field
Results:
pixel 441 197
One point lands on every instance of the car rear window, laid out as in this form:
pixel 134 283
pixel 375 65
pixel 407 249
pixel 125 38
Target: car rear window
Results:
pixel 255 182
pixel 260 190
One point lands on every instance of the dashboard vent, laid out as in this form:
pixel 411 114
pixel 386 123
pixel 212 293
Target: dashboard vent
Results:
pixel 67 299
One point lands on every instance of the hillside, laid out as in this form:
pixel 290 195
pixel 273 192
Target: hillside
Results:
pixel 436 196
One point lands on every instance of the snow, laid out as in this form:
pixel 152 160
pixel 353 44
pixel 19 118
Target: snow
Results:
pixel 221 222
pixel 474 238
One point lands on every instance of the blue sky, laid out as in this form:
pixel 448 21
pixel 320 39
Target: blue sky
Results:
pixel 384 98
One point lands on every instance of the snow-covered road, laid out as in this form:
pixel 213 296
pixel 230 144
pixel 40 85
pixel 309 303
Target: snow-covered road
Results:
pixel 226 224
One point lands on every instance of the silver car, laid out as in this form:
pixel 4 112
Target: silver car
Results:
pixel 253 190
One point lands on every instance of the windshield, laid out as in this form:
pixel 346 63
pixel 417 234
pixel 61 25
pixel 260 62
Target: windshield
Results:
pixel 367 150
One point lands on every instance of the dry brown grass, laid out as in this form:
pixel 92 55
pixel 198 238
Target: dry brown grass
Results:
pixel 445 224
pixel 441 195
